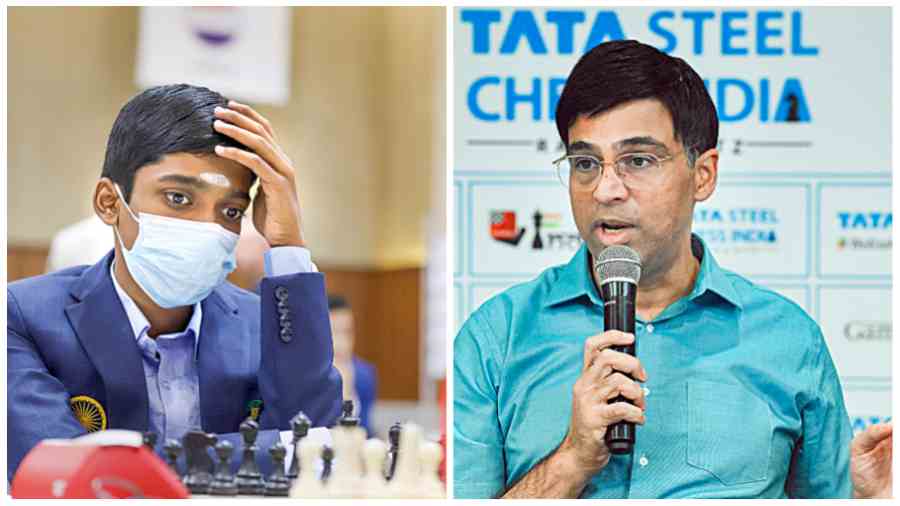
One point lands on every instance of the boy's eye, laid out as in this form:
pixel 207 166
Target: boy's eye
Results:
pixel 234 213
pixel 178 199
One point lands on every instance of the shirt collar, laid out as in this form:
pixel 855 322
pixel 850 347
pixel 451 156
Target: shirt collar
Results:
pixel 575 279
pixel 711 277
pixel 139 322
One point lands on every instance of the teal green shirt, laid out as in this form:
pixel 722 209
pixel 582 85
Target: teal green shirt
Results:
pixel 743 399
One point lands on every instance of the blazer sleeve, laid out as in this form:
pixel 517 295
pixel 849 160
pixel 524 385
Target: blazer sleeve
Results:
pixel 37 404
pixel 296 370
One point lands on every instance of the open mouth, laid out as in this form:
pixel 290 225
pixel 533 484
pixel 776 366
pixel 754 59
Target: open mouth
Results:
pixel 613 225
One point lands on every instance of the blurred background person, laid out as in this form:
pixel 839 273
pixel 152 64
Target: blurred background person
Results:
pixel 360 377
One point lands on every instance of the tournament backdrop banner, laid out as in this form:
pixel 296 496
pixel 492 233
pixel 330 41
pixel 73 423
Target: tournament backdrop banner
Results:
pixel 803 204
pixel 241 52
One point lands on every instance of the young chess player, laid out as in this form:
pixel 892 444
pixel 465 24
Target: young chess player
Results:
pixel 150 338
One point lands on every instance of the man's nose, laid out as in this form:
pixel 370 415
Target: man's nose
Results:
pixel 610 187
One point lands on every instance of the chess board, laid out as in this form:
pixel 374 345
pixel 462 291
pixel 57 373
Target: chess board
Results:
pixel 314 463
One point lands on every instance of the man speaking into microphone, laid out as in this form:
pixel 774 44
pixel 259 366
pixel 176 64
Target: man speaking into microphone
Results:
pixel 730 388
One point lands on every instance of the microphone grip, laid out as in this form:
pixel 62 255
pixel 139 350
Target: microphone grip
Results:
pixel 618 314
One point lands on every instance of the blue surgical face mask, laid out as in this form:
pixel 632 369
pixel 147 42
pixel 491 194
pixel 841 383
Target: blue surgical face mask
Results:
pixel 178 262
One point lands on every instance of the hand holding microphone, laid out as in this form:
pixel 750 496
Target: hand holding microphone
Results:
pixel 606 400
pixel 603 396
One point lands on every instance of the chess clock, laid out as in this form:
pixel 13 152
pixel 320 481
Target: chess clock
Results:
pixel 104 464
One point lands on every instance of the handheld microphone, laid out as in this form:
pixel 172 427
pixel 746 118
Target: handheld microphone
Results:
pixel 619 269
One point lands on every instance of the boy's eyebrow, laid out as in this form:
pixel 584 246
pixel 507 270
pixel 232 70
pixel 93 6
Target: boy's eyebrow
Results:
pixel 199 184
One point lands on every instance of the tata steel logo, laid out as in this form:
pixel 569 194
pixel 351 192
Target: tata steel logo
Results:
pixel 865 230
pixel 868 331
pixel 738 229
pixel 548 231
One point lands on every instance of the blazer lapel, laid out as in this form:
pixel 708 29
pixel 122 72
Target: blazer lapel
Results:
pixel 102 328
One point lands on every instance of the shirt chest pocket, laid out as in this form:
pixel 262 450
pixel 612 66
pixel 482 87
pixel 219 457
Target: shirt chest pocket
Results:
pixel 729 432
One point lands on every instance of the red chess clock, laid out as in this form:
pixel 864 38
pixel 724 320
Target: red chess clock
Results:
pixel 104 464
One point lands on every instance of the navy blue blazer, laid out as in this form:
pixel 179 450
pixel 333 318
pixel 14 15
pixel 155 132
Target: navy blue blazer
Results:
pixel 68 335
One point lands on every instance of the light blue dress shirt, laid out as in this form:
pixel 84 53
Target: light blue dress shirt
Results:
pixel 170 360
pixel 743 399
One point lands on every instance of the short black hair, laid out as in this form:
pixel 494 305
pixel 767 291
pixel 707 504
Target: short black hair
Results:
pixel 175 118
pixel 336 302
pixel 616 72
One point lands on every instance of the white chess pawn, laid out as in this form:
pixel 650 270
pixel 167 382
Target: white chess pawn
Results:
pixel 346 473
pixel 430 455
pixel 307 483
pixel 374 485
pixel 405 483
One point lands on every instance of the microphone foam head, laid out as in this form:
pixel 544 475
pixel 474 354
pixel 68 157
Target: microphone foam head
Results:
pixel 618 263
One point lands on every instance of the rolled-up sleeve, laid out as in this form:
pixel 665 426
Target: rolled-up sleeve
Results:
pixel 478 458
pixel 820 467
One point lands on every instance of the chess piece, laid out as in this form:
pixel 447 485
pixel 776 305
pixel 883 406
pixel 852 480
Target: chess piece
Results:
pixel 307 483
pixel 249 479
pixel 390 464
pixel 300 425
pixel 346 476
pixel 223 482
pixel 347 419
pixel 199 466
pixel 150 438
pixel 277 484
pixel 405 483
pixel 171 449
pixel 430 455
pixel 327 458
pixel 374 454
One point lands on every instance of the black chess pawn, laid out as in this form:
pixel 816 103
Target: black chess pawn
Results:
pixel 199 465
pixel 249 479
pixel 327 458
pixel 390 463
pixel 223 482
pixel 150 439
pixel 300 428
pixel 277 484
pixel 172 449
pixel 347 419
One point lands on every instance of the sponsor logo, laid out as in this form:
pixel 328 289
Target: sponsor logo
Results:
pixel 214 26
pixel 548 231
pixel 865 230
pixel 497 96
pixel 738 229
pixel 868 331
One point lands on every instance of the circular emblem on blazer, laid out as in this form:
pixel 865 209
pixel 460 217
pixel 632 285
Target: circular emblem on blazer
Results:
pixel 89 412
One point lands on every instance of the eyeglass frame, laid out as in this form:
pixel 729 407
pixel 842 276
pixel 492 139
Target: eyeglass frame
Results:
pixel 603 164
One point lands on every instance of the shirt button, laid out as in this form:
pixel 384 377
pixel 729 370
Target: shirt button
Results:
pixel 646 392
pixel 644 461
pixel 650 328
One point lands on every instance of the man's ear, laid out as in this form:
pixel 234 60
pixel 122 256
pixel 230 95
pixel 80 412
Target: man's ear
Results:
pixel 107 204
pixel 706 173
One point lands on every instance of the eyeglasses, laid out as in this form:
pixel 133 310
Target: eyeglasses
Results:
pixel 583 172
